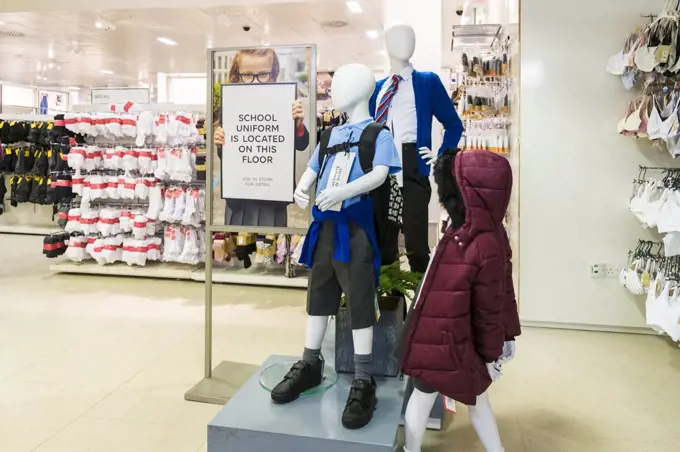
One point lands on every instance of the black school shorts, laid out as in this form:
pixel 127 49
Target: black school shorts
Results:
pixel 329 278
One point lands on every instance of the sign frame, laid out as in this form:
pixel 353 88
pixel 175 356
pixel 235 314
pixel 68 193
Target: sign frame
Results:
pixel 291 200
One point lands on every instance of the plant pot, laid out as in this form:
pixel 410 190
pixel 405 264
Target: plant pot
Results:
pixel 386 334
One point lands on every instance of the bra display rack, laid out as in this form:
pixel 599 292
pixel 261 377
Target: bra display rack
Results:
pixel 27 163
pixel 649 61
pixel 136 189
pixel 653 268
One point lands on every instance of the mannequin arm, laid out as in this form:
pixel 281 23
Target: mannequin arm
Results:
pixel 306 181
pixel 333 195
pixel 445 113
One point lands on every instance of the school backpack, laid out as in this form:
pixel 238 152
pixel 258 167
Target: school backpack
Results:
pixel 387 199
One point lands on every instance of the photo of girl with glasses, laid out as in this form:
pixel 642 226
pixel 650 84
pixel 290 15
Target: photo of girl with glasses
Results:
pixel 260 66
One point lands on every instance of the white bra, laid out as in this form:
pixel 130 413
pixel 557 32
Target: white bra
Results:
pixel 656 197
pixel 656 304
pixel 655 122
pixel 633 281
pixel 668 219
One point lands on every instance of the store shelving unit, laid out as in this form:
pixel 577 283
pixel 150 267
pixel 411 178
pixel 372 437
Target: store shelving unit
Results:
pixel 253 276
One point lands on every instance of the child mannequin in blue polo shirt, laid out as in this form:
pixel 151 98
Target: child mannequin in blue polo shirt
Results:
pixel 341 247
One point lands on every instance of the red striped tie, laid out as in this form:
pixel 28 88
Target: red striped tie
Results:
pixel 381 112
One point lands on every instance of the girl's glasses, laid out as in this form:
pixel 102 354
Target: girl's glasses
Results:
pixel 261 77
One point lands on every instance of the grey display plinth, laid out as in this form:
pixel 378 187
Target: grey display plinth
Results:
pixel 250 422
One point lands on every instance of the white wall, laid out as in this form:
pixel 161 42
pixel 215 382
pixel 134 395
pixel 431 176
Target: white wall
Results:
pixel 575 171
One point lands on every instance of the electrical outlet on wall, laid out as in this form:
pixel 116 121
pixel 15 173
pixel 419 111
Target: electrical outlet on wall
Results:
pixel 597 270
pixel 612 271
pixel 604 271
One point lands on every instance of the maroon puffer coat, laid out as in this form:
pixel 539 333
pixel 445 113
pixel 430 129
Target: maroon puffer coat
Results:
pixel 466 308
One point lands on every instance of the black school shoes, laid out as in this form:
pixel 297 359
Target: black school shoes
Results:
pixel 361 404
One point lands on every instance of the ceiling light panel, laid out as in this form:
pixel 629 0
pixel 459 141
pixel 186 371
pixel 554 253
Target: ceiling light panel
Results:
pixel 106 72
pixel 354 7
pixel 166 41
pixel 372 34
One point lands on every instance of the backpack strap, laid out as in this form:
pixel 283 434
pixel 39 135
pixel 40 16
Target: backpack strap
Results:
pixel 323 146
pixel 367 142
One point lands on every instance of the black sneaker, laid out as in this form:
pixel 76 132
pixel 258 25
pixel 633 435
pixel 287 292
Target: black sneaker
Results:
pixel 301 377
pixel 361 404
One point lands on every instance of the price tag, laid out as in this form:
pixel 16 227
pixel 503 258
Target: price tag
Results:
pixel 339 175
pixel 663 53
pixel 449 404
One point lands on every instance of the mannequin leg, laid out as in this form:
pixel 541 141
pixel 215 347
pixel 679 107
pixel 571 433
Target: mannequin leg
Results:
pixel 363 353
pixel 316 330
pixel 417 414
pixel 484 422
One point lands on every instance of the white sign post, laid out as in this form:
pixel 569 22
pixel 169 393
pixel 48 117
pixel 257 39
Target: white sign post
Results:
pixel 258 157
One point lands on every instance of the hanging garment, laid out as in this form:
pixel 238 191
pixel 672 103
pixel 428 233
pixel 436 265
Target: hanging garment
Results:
pixel 656 303
pixel 654 203
pixel 668 219
pixel 671 244
pixel 655 122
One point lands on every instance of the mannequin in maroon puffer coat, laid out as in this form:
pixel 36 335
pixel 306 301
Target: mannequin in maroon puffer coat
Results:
pixel 466 307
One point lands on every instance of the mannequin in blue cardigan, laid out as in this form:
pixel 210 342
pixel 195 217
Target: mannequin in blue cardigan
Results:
pixel 406 102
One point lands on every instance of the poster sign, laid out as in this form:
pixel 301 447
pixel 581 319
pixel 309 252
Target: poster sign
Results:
pixel 258 157
pixel 120 95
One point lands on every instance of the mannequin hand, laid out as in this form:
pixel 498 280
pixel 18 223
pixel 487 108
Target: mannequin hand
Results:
pixel 330 197
pixel 298 112
pixel 508 355
pixel 301 197
pixel 219 137
pixel 495 370
pixel 427 155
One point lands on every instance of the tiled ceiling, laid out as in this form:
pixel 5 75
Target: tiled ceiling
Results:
pixel 63 49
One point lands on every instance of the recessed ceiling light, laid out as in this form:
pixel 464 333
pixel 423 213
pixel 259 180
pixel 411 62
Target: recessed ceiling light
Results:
pixel 372 34
pixel 74 88
pixel 166 41
pixel 99 24
pixel 51 65
pixel 50 53
pixel 383 52
pixel 354 7
pixel 106 72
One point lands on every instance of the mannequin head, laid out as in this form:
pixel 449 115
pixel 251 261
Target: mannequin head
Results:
pixel 351 90
pixel 400 42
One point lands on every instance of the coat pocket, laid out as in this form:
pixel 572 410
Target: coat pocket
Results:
pixel 451 342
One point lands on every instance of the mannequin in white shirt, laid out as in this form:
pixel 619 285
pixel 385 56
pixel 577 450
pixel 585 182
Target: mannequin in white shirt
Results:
pixel 400 42
pixel 407 102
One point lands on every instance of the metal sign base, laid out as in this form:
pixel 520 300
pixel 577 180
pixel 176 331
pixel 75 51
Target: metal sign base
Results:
pixel 226 379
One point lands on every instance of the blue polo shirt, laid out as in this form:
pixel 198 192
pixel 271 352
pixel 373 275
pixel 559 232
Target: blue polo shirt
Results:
pixel 385 155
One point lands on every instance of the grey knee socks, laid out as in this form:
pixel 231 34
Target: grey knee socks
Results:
pixel 311 356
pixel 363 367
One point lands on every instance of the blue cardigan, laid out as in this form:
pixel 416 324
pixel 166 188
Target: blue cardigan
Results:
pixel 432 99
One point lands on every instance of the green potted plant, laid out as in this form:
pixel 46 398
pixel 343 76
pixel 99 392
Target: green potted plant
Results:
pixel 394 281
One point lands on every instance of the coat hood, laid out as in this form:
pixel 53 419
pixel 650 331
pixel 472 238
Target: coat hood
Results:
pixel 485 181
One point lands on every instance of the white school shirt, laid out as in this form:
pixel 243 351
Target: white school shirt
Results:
pixel 401 116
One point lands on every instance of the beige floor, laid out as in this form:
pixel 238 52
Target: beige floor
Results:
pixel 96 364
